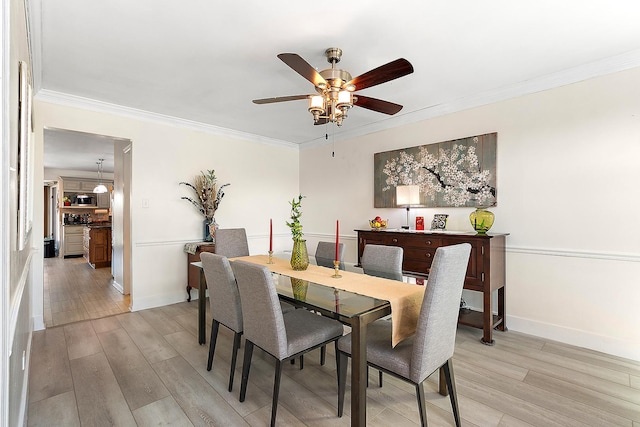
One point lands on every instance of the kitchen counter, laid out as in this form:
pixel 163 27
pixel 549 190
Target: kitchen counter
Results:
pixel 98 225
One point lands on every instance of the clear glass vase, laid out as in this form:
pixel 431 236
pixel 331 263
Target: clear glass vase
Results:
pixel 299 255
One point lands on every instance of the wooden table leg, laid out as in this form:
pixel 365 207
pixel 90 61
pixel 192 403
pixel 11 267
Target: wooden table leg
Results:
pixel 202 308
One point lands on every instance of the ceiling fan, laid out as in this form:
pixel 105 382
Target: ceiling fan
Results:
pixel 335 87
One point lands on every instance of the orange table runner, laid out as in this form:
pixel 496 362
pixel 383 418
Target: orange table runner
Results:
pixel 405 298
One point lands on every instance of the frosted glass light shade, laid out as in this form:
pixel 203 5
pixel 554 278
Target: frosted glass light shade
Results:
pixel 407 195
pixel 100 188
pixel 316 103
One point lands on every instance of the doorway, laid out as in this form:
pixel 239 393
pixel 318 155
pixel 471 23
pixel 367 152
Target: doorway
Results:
pixel 73 290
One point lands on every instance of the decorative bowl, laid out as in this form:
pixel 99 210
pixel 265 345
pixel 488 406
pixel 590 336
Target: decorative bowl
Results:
pixel 378 225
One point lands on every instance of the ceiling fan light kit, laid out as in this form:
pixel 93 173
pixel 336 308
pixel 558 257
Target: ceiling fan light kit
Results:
pixel 335 87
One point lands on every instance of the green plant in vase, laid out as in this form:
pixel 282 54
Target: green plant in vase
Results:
pixel 299 254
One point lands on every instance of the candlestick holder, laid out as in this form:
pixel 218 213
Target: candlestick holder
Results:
pixel 336 267
pixel 270 258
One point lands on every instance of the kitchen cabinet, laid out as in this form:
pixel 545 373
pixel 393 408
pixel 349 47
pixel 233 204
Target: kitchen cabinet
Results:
pixel 486 271
pixel 72 238
pixel 103 200
pixel 72 187
pixel 97 246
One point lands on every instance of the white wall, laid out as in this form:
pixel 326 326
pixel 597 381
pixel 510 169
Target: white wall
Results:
pixel 567 170
pixel 568 173
pixel 263 178
pixel 17 266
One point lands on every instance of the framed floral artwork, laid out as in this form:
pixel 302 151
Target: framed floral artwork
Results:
pixel 460 172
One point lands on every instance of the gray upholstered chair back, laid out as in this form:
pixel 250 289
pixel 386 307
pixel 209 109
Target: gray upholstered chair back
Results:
pixel 224 297
pixel 261 311
pixel 436 331
pixel 326 253
pixel 231 242
pixel 382 261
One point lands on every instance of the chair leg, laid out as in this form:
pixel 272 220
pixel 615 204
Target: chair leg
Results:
pixel 380 378
pixel 215 325
pixel 234 356
pixel 342 379
pixel 451 386
pixel 323 354
pixel 248 351
pixel 422 404
pixel 301 362
pixel 276 392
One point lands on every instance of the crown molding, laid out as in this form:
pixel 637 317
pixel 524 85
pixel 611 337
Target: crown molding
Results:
pixel 68 100
pixel 569 76
pixel 566 77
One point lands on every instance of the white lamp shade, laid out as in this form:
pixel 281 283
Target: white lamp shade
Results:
pixel 407 195
pixel 344 99
pixel 100 189
pixel 316 103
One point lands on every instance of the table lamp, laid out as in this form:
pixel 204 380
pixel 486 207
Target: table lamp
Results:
pixel 407 196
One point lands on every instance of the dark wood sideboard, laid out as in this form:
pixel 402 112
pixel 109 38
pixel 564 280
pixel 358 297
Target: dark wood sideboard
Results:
pixel 485 272
pixel 193 272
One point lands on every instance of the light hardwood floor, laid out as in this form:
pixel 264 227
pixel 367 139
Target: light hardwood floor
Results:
pixel 74 291
pixel 146 368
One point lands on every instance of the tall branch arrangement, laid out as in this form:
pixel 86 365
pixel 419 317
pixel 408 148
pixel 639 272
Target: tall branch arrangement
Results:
pixel 296 213
pixel 208 195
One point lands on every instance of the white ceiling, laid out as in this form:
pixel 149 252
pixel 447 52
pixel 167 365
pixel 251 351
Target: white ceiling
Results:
pixel 204 61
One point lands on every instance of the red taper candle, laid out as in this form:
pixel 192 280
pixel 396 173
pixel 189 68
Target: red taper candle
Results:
pixel 337 239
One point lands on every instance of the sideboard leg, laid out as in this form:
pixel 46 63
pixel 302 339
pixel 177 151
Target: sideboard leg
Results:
pixel 188 293
pixel 487 319
pixel 501 309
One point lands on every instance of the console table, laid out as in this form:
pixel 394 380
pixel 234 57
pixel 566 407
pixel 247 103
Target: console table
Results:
pixel 193 251
pixel 485 272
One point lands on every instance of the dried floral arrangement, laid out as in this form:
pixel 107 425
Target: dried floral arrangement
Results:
pixel 208 195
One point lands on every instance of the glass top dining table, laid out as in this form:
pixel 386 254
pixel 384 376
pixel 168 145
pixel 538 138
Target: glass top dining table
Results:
pixel 353 309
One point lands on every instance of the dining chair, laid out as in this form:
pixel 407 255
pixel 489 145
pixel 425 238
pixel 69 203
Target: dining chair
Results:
pixel 382 261
pixel 326 254
pixel 432 345
pixel 283 336
pixel 224 300
pixel 231 242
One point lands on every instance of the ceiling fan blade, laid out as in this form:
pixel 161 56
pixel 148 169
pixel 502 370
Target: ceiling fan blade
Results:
pixel 377 105
pixel 303 68
pixel 382 74
pixel 279 99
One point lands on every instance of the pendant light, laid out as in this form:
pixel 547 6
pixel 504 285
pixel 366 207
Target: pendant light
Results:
pixel 100 188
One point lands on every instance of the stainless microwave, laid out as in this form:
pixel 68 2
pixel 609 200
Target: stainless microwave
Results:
pixel 84 199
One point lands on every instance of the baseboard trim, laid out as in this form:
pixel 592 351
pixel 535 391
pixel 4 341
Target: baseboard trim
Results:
pixel 143 303
pixel 577 337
